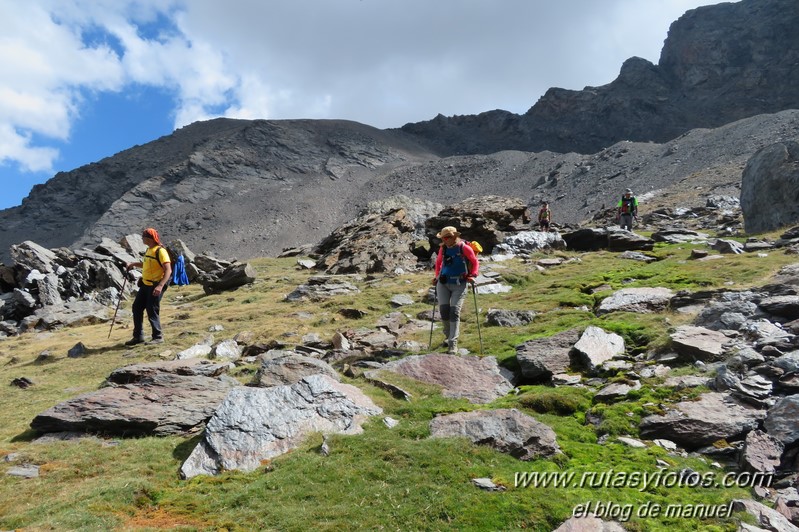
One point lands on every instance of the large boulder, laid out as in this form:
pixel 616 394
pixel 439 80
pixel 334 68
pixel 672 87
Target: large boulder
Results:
pixel 595 347
pixel 372 243
pixel 506 430
pixel 257 424
pixel 541 358
pixel 692 424
pixel 477 379
pixel 487 219
pixel 782 421
pixel 279 368
pixel 768 187
pixel 158 405
pixel 230 278
pixel 639 300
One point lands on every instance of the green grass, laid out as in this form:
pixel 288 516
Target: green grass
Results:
pixel 384 478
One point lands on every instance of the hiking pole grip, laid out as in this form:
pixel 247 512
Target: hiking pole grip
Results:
pixel 121 295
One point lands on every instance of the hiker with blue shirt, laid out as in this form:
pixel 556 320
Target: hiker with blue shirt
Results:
pixel 456 267
pixel 156 271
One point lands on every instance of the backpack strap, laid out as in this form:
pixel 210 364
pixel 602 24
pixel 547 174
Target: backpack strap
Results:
pixel 159 248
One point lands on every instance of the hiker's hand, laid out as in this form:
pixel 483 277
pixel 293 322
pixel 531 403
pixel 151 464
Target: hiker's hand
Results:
pixel 157 290
pixel 470 280
pixel 128 266
pixel 435 280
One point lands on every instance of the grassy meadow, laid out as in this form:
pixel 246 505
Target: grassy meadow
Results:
pixel 383 479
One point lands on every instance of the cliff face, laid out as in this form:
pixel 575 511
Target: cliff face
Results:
pixel 719 64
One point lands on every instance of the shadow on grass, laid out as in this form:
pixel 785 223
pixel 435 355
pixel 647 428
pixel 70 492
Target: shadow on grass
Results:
pixel 182 451
pixel 27 436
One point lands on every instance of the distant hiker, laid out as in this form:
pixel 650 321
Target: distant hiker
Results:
pixel 627 210
pixel 456 267
pixel 156 271
pixel 544 217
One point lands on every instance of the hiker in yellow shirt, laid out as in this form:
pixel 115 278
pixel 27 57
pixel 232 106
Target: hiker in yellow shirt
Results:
pixel 156 271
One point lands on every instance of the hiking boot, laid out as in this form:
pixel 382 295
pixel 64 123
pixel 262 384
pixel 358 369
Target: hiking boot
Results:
pixel 135 341
pixel 453 347
pixel 156 341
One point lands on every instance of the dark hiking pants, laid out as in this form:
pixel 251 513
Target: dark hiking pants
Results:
pixel 146 301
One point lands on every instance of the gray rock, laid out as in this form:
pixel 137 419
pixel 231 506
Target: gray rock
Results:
pixel 506 430
pixel 487 484
pixel 638 300
pixel 595 347
pixel 32 256
pixel 190 367
pixel 698 343
pixel 768 183
pixel 227 350
pixel 539 359
pixel 616 390
pixel 230 278
pixel 526 242
pixel 286 368
pixel 486 219
pixel 401 300
pixel 509 318
pixel 257 424
pixel 761 452
pixel 693 424
pixel 77 351
pixel 782 421
pixel 72 313
pixel 783 306
pixel 589 524
pixel 727 246
pixel 26 471
pixel 159 405
pixel 477 379
pixel 678 235
pixel 322 287
pixel 765 516
pixel 195 351
pixel 372 243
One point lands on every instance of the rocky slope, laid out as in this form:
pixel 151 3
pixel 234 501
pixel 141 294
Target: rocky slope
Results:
pixel 240 188
pixel 719 64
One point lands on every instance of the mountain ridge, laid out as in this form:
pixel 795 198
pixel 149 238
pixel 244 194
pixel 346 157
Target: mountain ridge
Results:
pixel 245 188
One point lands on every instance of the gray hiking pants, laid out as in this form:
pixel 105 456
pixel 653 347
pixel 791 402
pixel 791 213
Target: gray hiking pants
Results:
pixel 626 221
pixel 450 300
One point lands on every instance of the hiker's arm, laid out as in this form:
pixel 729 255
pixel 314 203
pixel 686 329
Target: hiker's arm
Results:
pixel 167 274
pixel 473 265
pixel 439 263
pixel 131 265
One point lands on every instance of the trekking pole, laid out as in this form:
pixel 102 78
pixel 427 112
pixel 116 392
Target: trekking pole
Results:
pixel 432 321
pixel 477 317
pixel 121 295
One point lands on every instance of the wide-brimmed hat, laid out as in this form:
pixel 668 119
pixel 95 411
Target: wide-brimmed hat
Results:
pixel 448 231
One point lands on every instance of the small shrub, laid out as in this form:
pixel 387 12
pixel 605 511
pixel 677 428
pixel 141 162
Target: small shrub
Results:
pixel 560 402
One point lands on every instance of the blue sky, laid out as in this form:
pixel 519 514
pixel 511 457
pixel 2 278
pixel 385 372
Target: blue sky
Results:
pixel 81 80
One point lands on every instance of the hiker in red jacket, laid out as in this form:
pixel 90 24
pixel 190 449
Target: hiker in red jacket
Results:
pixel 456 267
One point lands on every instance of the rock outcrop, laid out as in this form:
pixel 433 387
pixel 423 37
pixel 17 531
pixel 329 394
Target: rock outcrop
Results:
pixel 256 424
pixel 768 188
pixel 716 66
